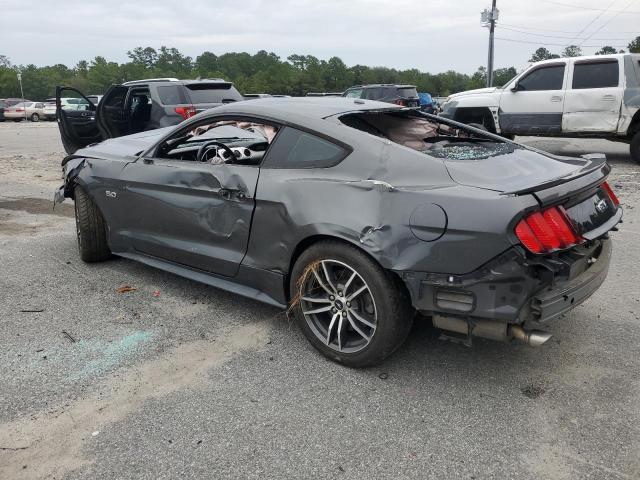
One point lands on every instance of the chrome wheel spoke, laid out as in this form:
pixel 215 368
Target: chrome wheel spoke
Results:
pixel 361 319
pixel 328 277
pixel 357 329
pixel 317 310
pixel 357 292
pixel 333 321
pixel 346 285
pixel 340 333
pixel 316 299
pixel 321 283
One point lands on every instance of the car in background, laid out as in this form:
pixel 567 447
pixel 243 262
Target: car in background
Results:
pixel 324 94
pixel 427 103
pixel 403 95
pixel 69 104
pixel 33 111
pixel 588 97
pixel 140 105
pixel 9 102
pixel 253 96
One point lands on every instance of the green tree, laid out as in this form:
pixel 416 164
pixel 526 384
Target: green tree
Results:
pixel 572 51
pixel 634 45
pixel 144 56
pixel 542 54
pixel 502 76
pixel 606 50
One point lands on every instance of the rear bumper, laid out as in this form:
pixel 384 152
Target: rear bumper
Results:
pixel 563 296
pixel 513 288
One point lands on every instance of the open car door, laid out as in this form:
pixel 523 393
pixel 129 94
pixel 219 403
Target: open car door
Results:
pixel 78 127
pixel 113 118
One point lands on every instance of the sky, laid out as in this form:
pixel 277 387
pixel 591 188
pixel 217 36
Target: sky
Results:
pixel 430 35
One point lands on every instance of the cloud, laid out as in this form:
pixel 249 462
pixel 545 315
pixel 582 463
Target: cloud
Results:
pixel 434 36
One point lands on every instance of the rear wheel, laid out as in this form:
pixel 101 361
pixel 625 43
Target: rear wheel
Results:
pixel 90 228
pixel 349 308
pixel 35 117
pixel 635 147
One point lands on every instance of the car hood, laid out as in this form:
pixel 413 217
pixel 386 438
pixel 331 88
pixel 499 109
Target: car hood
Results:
pixel 477 91
pixel 127 146
pixel 518 170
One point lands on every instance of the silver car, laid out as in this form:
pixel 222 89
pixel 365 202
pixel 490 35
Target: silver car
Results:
pixel 33 111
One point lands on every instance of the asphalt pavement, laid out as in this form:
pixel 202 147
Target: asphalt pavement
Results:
pixel 174 379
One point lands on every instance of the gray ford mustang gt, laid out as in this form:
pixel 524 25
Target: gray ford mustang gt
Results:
pixel 353 214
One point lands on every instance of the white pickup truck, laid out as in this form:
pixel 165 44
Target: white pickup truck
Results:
pixel 596 97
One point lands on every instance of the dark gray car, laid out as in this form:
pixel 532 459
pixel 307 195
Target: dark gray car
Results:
pixel 139 106
pixel 355 215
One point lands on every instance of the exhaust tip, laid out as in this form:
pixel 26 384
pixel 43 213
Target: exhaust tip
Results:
pixel 538 338
pixel 533 338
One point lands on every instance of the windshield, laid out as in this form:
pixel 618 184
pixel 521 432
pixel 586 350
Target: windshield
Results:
pixel 407 92
pixel 213 93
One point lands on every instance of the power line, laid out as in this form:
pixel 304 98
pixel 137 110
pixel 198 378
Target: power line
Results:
pixel 592 21
pixel 553 44
pixel 555 36
pixel 608 22
pixel 550 30
pixel 582 7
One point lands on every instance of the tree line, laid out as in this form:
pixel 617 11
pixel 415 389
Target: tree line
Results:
pixel 263 72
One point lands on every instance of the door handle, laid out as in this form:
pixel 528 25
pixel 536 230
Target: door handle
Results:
pixel 228 193
pixel 147 161
pixel 608 98
pixel 556 98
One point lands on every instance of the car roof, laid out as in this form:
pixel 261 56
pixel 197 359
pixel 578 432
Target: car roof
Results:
pixel 174 81
pixel 302 110
pixel 585 58
pixel 369 85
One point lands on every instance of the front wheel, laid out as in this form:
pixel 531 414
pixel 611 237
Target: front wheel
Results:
pixel 91 228
pixel 635 147
pixel 349 308
pixel 35 117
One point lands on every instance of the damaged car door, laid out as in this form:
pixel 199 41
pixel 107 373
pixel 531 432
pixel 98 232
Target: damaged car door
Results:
pixel 195 214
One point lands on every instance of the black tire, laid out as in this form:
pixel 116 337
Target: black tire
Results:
pixel 635 147
pixel 392 305
pixel 35 117
pixel 90 228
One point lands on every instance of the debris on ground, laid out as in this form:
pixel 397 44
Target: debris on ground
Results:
pixel 383 376
pixel 156 293
pixel 69 336
pixel 32 310
pixel 125 289
pixel 533 391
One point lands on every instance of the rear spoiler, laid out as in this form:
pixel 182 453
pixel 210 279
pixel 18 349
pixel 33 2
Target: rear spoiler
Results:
pixel 592 174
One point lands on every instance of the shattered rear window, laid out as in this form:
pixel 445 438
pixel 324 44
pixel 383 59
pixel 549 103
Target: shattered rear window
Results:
pixel 439 140
pixel 470 151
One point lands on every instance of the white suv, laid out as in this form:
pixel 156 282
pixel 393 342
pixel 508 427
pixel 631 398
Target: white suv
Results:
pixel 596 96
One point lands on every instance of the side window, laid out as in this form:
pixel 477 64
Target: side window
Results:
pixel 601 74
pixel 355 93
pixel 296 149
pixel 39 105
pixel 374 93
pixel 171 95
pixel 543 78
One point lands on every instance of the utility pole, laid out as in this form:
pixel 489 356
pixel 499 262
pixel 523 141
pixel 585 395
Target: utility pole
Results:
pixel 488 19
pixel 22 93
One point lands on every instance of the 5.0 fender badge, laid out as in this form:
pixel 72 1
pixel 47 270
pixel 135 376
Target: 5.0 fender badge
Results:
pixel 111 194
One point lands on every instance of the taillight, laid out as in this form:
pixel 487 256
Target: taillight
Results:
pixel 547 231
pixel 186 112
pixel 400 102
pixel 19 109
pixel 612 195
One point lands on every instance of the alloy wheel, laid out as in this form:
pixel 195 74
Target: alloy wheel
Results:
pixel 338 306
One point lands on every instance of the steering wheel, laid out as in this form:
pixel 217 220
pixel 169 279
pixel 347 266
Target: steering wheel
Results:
pixel 200 156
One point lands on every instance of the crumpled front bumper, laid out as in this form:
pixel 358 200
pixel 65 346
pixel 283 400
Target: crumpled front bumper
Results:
pixel 513 287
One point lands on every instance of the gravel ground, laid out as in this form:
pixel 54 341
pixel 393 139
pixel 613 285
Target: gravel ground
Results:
pixel 199 383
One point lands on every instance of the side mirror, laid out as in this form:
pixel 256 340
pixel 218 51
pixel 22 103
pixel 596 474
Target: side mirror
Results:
pixel 516 87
